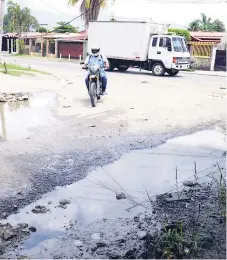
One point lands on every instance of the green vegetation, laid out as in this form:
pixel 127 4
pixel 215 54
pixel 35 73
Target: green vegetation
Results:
pixel 18 19
pixel 180 32
pixel 63 27
pixel 93 5
pixel 206 24
pixel 17 70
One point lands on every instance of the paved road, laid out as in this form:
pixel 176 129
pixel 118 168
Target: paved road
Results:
pixel 140 111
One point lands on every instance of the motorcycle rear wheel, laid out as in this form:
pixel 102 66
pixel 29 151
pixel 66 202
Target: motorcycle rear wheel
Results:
pixel 93 93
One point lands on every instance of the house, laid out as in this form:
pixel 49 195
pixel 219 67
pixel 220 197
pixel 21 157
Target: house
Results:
pixel 211 37
pixel 72 46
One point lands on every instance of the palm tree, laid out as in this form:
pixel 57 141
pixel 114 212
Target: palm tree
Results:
pixel 205 22
pixel 194 26
pixel 89 9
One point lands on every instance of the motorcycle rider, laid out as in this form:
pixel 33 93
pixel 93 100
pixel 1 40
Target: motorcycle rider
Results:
pixel 97 58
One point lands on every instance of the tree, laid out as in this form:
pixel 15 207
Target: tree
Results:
pixel 89 9
pixel 206 24
pixel 218 26
pixel 64 28
pixel 19 20
pixel 180 32
pixel 42 30
pixel 194 26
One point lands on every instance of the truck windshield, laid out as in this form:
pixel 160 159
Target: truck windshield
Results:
pixel 179 44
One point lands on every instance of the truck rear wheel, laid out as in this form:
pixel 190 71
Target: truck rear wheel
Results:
pixel 158 69
pixel 122 67
pixel 172 72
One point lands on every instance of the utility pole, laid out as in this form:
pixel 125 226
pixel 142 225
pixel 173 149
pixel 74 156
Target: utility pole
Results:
pixel 112 10
pixel 2 6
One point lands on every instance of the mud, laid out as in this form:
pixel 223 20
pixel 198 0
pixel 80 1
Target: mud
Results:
pixel 124 189
pixel 147 235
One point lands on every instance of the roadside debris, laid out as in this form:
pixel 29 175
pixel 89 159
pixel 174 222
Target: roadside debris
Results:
pixel 190 184
pixel 13 97
pixel 40 209
pixel 120 196
pixel 63 203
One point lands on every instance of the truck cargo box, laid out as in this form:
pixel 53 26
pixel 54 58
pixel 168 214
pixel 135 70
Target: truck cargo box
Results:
pixel 123 40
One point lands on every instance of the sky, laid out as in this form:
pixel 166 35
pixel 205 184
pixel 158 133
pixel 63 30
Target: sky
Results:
pixel 178 13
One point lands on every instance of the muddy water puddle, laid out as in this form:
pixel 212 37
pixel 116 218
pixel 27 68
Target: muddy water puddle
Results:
pixel 19 120
pixel 134 175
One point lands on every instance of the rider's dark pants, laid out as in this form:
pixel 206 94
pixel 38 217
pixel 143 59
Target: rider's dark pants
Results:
pixel 104 83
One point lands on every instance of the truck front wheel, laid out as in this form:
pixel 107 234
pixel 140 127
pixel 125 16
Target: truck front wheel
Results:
pixel 158 69
pixel 172 72
pixel 122 67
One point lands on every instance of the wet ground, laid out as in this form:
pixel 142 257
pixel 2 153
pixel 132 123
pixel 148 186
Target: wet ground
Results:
pixel 20 119
pixel 134 176
pixel 75 157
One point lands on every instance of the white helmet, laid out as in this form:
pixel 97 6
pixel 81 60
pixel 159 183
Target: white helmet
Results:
pixel 95 50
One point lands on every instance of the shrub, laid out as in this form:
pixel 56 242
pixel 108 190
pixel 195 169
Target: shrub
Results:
pixel 180 32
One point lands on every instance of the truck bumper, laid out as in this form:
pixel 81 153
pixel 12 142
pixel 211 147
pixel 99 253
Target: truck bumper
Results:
pixel 179 66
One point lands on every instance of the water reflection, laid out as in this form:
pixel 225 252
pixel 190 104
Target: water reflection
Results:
pixel 18 117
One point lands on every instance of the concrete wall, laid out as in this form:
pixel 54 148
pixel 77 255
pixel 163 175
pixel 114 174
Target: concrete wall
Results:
pixel 202 63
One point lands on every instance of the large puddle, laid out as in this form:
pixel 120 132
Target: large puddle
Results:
pixel 19 119
pixel 135 174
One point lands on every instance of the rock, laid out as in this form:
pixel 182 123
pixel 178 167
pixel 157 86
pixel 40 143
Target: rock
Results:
pixel 177 197
pixel 120 196
pixel 22 225
pixel 66 106
pixel 224 154
pixel 32 229
pixel 22 257
pixel 2 99
pixel 92 125
pixel 62 206
pixel 64 202
pixel 39 209
pixel 4 215
pixel 136 219
pixel 49 202
pixel 101 244
pixel 190 183
pixel 142 234
pixel 8 234
pixel 78 243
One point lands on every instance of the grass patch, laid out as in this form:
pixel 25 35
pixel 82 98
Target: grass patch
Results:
pixel 17 73
pixel 12 69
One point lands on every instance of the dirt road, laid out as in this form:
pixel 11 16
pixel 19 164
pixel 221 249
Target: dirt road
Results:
pixel 140 111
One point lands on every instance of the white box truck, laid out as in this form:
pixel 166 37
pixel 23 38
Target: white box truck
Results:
pixel 145 45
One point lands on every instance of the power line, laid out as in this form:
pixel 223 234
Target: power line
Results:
pixel 47 4
pixel 79 16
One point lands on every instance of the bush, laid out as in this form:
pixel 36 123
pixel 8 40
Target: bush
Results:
pixel 180 32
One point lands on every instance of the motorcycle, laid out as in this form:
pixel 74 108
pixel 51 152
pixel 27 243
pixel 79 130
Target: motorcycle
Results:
pixel 95 83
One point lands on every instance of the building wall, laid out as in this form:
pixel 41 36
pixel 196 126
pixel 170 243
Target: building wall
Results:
pixel 75 49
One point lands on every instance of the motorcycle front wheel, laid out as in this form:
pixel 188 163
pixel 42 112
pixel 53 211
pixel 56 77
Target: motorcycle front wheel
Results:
pixel 93 93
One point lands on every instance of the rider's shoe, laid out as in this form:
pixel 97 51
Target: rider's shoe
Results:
pixel 104 93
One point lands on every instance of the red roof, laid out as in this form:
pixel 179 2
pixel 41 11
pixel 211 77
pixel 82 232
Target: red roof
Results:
pixel 207 36
pixel 81 36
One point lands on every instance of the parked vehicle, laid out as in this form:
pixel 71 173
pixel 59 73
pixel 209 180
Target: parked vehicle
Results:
pixel 144 45
pixel 95 83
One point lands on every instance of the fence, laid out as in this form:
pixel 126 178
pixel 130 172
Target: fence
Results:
pixel 201 49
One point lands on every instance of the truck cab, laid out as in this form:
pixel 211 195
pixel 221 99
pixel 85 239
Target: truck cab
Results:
pixel 168 53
